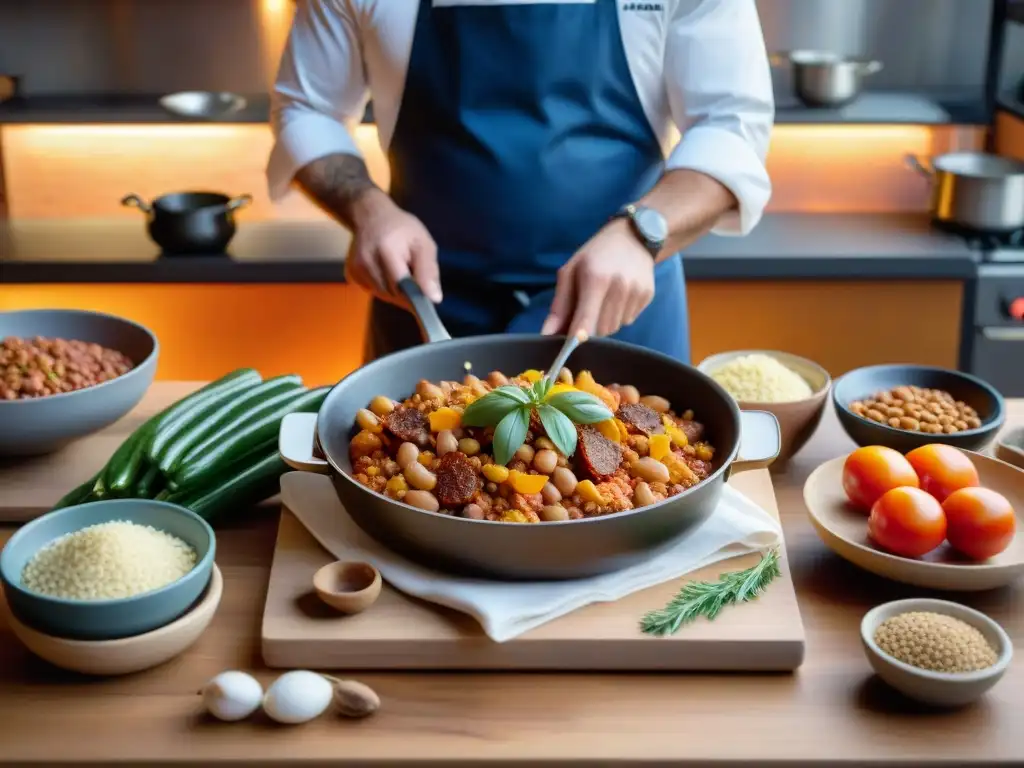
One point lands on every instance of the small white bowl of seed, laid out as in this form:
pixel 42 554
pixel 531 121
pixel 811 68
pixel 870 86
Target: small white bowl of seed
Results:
pixel 934 651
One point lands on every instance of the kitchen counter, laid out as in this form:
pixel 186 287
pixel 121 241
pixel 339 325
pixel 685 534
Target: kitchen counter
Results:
pixel 831 710
pixel 784 246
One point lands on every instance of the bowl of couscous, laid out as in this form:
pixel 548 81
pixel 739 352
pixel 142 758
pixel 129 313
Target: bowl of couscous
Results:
pixel 107 570
pixel 792 388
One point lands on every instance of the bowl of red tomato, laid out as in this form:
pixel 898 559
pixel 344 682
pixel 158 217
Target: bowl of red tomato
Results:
pixel 937 517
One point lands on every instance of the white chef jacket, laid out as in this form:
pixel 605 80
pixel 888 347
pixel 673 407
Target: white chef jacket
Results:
pixel 698 65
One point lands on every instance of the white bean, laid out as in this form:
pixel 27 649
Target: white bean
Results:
pixel 429 391
pixel 407 454
pixel 473 512
pixel 446 442
pixel 550 494
pixel 381 406
pixel 564 480
pixel 553 513
pixel 542 443
pixel 651 470
pixel 497 379
pixel 420 477
pixel 545 461
pixel 469 446
pixel 422 499
pixel 630 394
pixel 366 419
pixel 525 453
pixel 643 495
pixel 656 403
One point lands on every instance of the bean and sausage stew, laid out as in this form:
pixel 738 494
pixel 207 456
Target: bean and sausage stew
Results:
pixel 417 451
pixel 38 367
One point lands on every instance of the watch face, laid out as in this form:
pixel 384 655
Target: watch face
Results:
pixel 651 224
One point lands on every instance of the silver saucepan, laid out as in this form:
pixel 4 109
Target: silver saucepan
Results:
pixel 539 551
pixel 975 190
pixel 825 79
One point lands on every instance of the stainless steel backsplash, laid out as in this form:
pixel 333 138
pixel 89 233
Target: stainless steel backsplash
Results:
pixel 155 46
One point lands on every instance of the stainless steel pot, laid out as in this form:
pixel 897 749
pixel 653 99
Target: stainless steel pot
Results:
pixel 975 190
pixel 510 551
pixel 825 79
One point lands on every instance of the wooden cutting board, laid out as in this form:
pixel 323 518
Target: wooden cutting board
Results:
pixel 400 632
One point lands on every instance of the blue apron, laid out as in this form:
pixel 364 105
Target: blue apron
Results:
pixel 519 135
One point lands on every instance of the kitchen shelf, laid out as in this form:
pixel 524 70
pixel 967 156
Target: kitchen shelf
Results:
pixel 889 108
pixel 121 108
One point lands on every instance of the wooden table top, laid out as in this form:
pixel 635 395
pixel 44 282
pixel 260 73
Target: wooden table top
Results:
pixel 830 710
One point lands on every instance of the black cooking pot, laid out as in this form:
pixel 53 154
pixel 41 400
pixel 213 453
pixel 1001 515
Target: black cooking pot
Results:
pixel 190 223
pixel 540 551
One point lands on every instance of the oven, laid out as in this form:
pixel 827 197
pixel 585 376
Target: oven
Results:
pixel 994 337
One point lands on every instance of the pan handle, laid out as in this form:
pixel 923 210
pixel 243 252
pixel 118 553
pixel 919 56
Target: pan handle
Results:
pixel 295 443
pixel 760 441
pixel 134 201
pixel 923 167
pixel 425 311
pixel 238 202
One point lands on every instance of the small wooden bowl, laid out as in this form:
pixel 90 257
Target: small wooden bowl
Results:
pixel 127 654
pixel 348 586
pixel 844 529
pixel 1010 447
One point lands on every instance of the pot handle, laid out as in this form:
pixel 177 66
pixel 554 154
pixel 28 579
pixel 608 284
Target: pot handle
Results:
pixel 760 441
pixel 425 311
pixel 869 67
pixel 236 203
pixel 915 163
pixel 779 58
pixel 296 443
pixel 134 201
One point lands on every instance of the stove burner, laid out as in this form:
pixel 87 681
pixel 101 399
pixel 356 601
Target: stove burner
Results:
pixel 985 241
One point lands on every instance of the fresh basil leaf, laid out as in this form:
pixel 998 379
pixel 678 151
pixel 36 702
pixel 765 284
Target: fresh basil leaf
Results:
pixel 489 410
pixel 512 392
pixel 510 434
pixel 581 407
pixel 561 431
pixel 541 388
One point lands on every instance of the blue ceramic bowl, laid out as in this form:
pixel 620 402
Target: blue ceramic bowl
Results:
pixel 106 619
pixel 862 383
pixel 42 425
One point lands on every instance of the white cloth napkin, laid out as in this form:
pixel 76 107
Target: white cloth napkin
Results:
pixel 507 609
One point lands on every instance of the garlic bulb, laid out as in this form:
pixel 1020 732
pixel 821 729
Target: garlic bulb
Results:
pixel 232 695
pixel 297 697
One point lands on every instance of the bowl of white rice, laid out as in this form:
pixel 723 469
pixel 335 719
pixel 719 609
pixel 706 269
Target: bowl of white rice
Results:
pixel 107 570
pixel 793 388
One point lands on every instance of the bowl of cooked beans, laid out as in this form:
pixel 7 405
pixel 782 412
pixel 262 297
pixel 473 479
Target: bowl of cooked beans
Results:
pixel 906 406
pixel 67 373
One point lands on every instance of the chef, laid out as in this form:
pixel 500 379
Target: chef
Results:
pixel 537 184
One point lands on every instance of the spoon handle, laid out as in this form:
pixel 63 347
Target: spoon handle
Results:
pixel 571 342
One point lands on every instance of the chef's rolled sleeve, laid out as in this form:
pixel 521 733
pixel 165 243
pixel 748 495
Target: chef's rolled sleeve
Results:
pixel 720 94
pixel 320 91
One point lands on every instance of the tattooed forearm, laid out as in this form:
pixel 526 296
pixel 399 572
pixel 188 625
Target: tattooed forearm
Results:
pixel 335 182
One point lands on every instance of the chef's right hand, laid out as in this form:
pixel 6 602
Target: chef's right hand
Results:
pixel 389 244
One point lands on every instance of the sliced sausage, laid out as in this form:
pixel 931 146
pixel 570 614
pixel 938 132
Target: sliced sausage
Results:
pixel 640 419
pixel 596 455
pixel 408 425
pixel 693 430
pixel 456 480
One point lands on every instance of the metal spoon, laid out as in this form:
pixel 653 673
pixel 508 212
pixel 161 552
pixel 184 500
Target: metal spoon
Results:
pixel 571 342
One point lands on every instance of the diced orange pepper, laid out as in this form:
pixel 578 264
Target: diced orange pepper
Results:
pixel 521 482
pixel 558 389
pixel 444 418
pixel 623 430
pixel 589 492
pixel 586 382
pixel 659 446
pixel 677 435
pixel 532 375
pixel 609 430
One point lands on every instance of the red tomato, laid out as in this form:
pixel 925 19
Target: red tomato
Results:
pixel 943 469
pixel 874 469
pixel 980 522
pixel 907 522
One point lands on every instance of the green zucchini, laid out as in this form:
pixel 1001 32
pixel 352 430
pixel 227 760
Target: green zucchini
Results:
pixel 249 486
pixel 229 412
pixel 202 404
pixel 149 484
pixel 79 495
pixel 259 429
pixel 126 463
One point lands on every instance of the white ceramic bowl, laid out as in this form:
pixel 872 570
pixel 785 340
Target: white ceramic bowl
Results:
pixel 942 689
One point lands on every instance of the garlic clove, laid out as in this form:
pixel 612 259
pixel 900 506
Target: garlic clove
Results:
pixel 232 695
pixel 297 697
pixel 354 699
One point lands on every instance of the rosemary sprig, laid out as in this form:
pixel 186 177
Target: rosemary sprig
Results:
pixel 708 598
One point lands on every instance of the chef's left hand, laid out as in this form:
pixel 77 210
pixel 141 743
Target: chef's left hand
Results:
pixel 604 286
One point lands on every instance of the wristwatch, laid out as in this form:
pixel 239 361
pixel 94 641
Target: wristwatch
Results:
pixel 648 225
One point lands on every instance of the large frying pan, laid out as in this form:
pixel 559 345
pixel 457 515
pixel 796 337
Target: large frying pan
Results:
pixel 541 551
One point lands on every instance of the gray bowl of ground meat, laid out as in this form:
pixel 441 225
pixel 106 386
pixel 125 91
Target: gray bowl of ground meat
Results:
pixel 66 373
